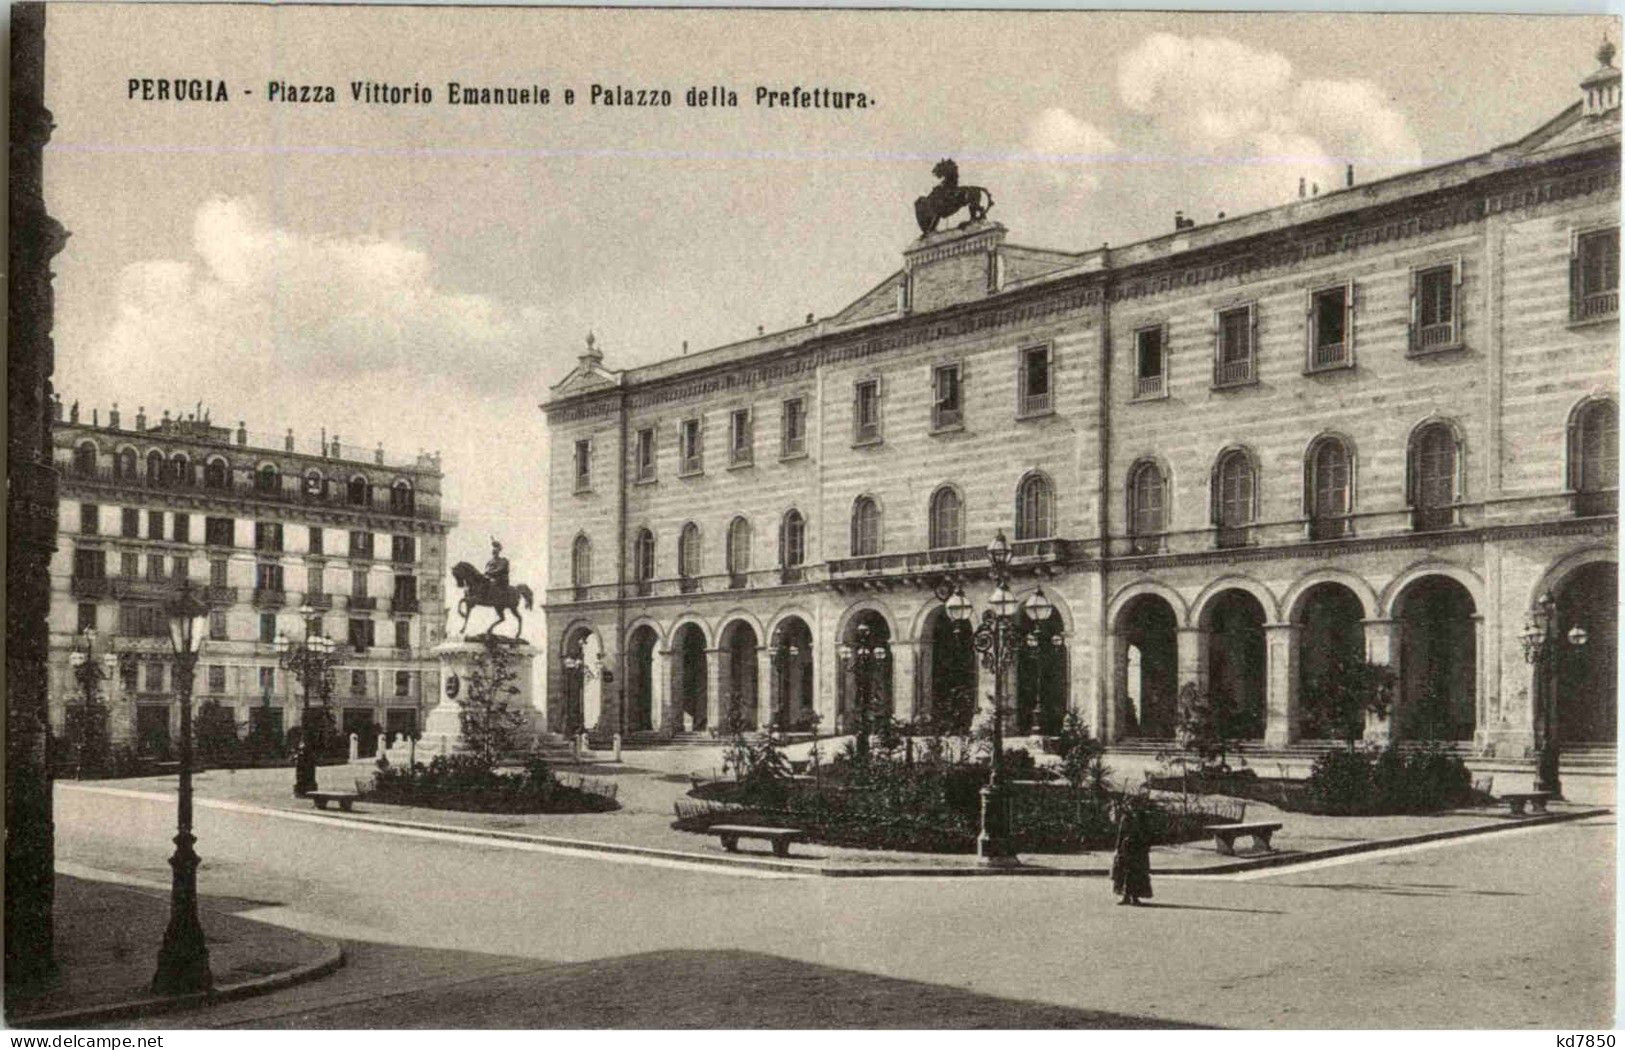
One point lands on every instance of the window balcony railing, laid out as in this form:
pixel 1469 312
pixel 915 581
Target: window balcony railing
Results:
pixel 318 600
pixel 579 593
pixel 219 594
pixel 88 586
pixel 1430 337
pixel 945 418
pixel 144 589
pixel 1330 528
pixel 1233 373
pixel 1036 404
pixel 738 580
pixel 688 584
pixel 691 465
pixel 795 446
pixel 1146 543
pixel 1591 504
pixel 268 598
pixel 1595 306
pixel 865 433
pixel 1432 519
pixel 1148 386
pixel 1227 536
pixel 643 588
pixel 741 457
pixel 361 602
pixel 1329 355
pixel 792 574
pixel 404 604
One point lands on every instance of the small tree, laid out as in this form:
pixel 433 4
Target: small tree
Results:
pixel 1078 749
pixel 1208 725
pixel 1346 688
pixel 489 724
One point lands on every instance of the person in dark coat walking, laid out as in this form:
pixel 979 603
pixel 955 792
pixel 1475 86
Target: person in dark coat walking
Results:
pixel 1131 864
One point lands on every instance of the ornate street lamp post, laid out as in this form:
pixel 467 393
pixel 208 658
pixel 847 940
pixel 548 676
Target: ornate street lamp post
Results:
pixel 866 660
pixel 89 672
pixel 997 638
pixel 183 961
pixel 311 661
pixel 1543 647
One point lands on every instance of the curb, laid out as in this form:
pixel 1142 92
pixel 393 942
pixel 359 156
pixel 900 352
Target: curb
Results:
pixel 331 959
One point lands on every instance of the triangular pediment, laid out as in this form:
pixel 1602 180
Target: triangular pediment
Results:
pixel 583 378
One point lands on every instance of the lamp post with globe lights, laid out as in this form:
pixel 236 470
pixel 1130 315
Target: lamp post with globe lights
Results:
pixel 1544 646
pixel 867 659
pixel 311 661
pixel 998 638
pixel 183 961
pixel 89 672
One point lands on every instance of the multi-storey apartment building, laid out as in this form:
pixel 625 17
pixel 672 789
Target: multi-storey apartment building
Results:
pixel 1379 421
pixel 277 541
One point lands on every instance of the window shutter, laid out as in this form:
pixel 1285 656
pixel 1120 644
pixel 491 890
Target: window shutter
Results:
pixel 1214 494
pixel 1574 279
pixel 1411 478
pixel 1252 337
pixel 1216 334
pixel 1455 301
pixel 1348 323
pixel 1412 329
pixel 1309 330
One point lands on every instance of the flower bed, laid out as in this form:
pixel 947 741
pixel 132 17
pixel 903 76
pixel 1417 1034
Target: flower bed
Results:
pixel 463 782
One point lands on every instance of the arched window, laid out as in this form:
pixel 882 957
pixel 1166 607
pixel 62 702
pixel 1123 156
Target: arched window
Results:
pixel 1035 508
pixel 155 467
pixel 180 469
pixel 688 552
pixel 401 497
pixel 946 518
pixel 581 566
pixel 865 527
pixel 792 539
pixel 738 553
pixel 1594 457
pixel 1329 488
pixel 643 559
pixel 216 475
pixel 1147 499
pixel 84 460
pixel 127 465
pixel 1234 489
pixel 267 480
pixel 1433 476
pixel 356 491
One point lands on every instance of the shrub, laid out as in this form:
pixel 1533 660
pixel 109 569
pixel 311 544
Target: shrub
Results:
pixel 1417 780
pixel 1342 782
pixel 465 782
pixel 1080 752
pixel 489 726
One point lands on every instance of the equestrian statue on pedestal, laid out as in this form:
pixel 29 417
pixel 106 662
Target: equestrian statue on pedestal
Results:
pixel 948 197
pixel 491 588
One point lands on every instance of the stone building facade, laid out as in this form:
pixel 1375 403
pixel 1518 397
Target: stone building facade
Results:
pixel 1380 421
pixel 265 532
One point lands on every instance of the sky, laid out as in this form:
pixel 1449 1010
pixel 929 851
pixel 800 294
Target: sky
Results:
pixel 421 275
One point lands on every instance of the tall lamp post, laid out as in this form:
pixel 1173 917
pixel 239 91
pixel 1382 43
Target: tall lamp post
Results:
pixel 1543 646
pixel 311 661
pixel 183 961
pixel 997 638
pixel 89 673
pixel 866 659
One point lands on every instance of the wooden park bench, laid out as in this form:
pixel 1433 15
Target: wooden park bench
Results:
pixel 1535 800
pixel 1225 835
pixel 345 799
pixel 779 837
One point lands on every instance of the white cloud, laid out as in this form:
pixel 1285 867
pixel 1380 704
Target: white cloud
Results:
pixel 1253 125
pixel 1067 147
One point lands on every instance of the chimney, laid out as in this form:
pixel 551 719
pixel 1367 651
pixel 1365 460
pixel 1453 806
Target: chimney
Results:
pixel 112 416
pixel 287 440
pixel 378 454
pixel 335 446
pixel 56 406
pixel 685 347
pixel 1301 182
pixel 1349 176
pixel 141 417
pixel 242 433
pixel 95 417
pixel 1179 220
pixel 1314 189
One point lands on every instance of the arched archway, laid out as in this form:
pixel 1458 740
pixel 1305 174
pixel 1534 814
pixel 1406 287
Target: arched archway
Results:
pixel 737 648
pixel 583 679
pixel 688 677
pixel 949 686
pixel 640 693
pixel 1147 631
pixel 1041 675
pixel 1234 622
pixel 1331 634
pixel 1438 661
pixel 1587 689
pixel 879 634
pixel 792 685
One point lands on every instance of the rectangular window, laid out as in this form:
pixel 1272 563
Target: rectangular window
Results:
pixel 155 524
pixel 142 621
pixel 267 681
pixel 866 412
pixel 361 635
pixel 1331 328
pixel 644 455
pixel 217 572
pixel 691 447
pixel 358 682
pixel 267 536
pixel 130 522
pixel 403 634
pixel 218 532
pixel 1036 382
pixel 268 577
pixel 946 410
pixel 358 583
pixel 267 628
pixel 402 550
pixel 1233 365
pixel 89 564
pixel 87 617
pixel 181 568
pixel 155 567
pixel 90 519
pixel 583 463
pixel 1594 276
pixel 129 565
pixel 155 678
pixel 793 433
pixel 182 531
pixel 403 683
pixel 217 625
pixel 360 544
pixel 406 591
pixel 741 445
pixel 313 580
pixel 217 678
pixel 1434 321
pixel 315 540
pixel 1151 362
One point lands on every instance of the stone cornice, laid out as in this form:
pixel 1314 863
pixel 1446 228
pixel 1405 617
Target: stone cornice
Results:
pixel 199 501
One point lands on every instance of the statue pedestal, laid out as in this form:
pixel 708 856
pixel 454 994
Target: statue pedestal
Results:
pixel 443 728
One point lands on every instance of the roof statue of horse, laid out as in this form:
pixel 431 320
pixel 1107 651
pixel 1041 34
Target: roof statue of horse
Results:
pixel 948 197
